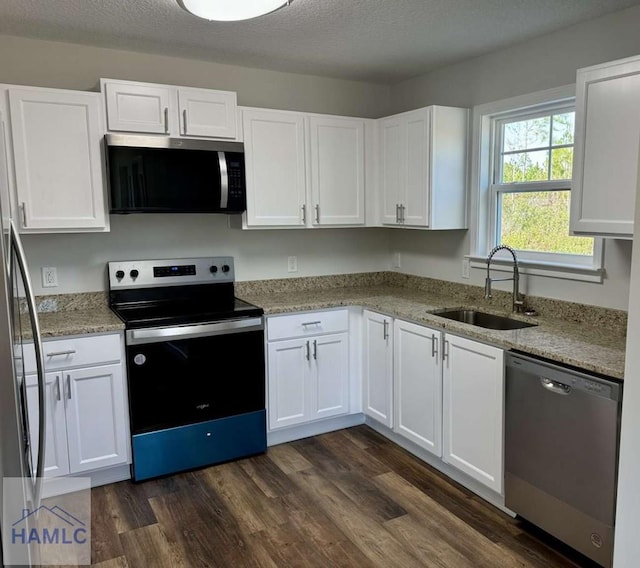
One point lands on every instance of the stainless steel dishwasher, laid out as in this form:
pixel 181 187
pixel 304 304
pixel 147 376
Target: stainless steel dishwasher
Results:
pixel 562 432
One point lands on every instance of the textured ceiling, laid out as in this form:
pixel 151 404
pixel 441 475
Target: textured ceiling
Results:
pixel 383 41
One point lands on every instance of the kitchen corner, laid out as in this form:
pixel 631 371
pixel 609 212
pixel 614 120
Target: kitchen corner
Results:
pixel 566 332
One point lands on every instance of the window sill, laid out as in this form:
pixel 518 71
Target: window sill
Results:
pixel 540 268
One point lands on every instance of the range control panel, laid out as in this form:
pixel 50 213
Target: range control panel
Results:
pixel 169 272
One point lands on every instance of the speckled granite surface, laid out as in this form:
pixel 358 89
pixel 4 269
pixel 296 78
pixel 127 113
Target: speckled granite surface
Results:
pixel 588 337
pixel 583 336
pixel 76 314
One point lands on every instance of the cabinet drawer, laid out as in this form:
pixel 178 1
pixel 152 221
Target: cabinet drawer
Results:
pixel 310 323
pixel 76 352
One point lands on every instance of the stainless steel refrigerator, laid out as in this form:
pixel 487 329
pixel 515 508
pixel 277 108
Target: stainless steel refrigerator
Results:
pixel 22 444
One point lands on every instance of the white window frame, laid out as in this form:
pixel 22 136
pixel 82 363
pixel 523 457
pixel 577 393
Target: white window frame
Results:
pixel 483 202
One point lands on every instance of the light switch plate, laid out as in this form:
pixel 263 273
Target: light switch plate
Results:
pixel 397 260
pixel 292 264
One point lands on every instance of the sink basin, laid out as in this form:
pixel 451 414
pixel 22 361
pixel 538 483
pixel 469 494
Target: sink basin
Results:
pixel 482 319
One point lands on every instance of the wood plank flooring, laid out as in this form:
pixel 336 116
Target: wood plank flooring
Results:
pixel 346 499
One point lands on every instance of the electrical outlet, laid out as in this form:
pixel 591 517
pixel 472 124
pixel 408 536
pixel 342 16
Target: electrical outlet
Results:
pixel 292 264
pixel 465 268
pixel 397 260
pixel 49 277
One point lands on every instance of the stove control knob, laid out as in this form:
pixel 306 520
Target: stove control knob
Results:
pixel 225 268
pixel 119 274
pixel 213 269
pixel 134 273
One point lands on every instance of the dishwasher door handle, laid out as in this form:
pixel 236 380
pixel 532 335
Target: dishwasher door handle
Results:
pixel 554 386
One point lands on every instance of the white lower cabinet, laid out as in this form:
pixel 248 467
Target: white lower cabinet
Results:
pixel 473 407
pixel 442 392
pixel 86 416
pixel 308 376
pixel 417 381
pixel 378 367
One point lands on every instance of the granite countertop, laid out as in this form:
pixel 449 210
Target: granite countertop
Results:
pixel 79 322
pixel 588 347
pixel 74 314
pixel 582 336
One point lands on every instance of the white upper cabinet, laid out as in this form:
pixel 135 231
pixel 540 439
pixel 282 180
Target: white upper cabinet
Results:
pixel 56 141
pixel 304 170
pixel 137 108
pixel 171 110
pixel 337 170
pixel 607 137
pixel 204 112
pixel 423 169
pixel 275 168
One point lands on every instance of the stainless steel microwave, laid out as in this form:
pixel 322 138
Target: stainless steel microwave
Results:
pixel 153 174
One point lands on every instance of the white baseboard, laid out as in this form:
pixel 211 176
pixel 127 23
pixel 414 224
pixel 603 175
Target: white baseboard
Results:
pixel 487 494
pixel 61 485
pixel 313 429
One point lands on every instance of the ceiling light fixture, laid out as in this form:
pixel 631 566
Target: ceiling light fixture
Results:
pixel 232 10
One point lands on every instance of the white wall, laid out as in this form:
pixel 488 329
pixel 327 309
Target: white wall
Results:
pixel 70 66
pixel 81 259
pixel 535 65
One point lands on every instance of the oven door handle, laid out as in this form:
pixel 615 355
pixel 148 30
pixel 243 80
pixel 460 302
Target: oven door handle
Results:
pixel 160 334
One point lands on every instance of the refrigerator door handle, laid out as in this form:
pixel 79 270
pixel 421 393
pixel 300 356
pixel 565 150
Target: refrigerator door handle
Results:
pixel 16 246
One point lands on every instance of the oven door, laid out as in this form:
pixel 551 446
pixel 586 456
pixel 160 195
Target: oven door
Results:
pixel 195 373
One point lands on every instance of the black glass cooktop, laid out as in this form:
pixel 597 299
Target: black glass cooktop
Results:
pixel 154 310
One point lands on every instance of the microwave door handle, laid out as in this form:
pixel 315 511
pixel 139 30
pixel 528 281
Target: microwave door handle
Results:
pixel 224 181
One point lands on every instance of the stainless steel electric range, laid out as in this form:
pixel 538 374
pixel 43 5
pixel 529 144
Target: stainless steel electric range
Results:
pixel 195 363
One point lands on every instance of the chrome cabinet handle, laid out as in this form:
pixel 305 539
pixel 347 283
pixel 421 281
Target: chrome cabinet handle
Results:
pixel 308 352
pixel 60 353
pixel 434 345
pixel 555 387
pixel 304 214
pixel 445 350
pixel 58 393
pixel 317 209
pixel 166 120
pixel 401 213
pixel 23 211
pixel 315 349
pixel 69 387
pixel 397 212
pixel 385 329
pixel 184 120
pixel 306 323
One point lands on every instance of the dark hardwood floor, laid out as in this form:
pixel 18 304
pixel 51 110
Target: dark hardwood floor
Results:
pixel 348 498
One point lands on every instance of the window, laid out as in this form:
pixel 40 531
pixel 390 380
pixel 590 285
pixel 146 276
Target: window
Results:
pixel 523 152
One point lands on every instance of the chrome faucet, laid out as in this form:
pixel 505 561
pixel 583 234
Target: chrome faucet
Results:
pixel 518 303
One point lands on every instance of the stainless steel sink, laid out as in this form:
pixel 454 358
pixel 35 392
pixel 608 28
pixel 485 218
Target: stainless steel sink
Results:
pixel 482 319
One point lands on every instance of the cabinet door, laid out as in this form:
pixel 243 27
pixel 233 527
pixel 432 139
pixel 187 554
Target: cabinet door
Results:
pixel 275 168
pixel 605 167
pixel 204 112
pixel 331 382
pixel 337 170
pixel 56 457
pixel 96 417
pixel 415 202
pixel 378 368
pixel 138 108
pixel 417 380
pixel 58 160
pixel 289 365
pixel 393 172
pixel 474 410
